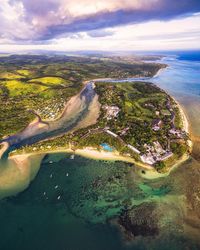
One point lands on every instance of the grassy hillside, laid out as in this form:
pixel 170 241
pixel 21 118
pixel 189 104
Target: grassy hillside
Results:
pixel 45 83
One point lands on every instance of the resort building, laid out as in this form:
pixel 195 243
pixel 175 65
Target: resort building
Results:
pixel 156 125
pixel 111 133
pixel 155 154
pixel 178 133
pixel 112 111
pixel 135 150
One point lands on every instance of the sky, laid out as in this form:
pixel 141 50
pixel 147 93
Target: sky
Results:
pixel 70 25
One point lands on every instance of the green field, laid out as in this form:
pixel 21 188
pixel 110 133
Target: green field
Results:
pixel 140 104
pixel 40 82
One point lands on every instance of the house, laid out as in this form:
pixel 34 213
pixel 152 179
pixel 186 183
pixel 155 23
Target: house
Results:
pixel 155 153
pixel 158 148
pixel 156 124
pixel 148 158
pixel 135 150
pixel 177 133
pixel 111 111
pixel 124 131
pixel 111 133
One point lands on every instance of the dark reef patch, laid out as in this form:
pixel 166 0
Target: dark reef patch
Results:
pixel 139 221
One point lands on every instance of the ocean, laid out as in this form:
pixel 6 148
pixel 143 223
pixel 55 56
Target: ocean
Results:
pixel 80 204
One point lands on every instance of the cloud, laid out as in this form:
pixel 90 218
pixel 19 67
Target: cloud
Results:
pixel 181 35
pixel 33 20
pixel 100 33
pixel 12 25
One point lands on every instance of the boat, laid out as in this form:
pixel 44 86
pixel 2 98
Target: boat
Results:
pixel 72 157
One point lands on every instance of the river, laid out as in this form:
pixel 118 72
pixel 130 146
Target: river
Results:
pixel 74 204
pixel 75 111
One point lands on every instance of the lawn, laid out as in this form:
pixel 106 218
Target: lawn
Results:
pixel 17 88
pixel 51 81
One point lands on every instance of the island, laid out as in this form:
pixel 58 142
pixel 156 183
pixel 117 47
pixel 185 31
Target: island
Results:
pixel 82 105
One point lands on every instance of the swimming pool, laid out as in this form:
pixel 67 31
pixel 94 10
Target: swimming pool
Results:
pixel 106 147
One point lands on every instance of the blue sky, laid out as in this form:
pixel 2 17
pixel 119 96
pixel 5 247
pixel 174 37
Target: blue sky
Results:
pixel 99 25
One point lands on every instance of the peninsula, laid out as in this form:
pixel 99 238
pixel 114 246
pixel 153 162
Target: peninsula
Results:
pixel 135 121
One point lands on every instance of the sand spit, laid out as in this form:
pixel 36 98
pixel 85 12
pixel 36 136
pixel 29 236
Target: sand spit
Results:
pixel 4 147
pixel 17 172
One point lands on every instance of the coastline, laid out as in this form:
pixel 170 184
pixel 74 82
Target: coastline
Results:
pixel 91 153
pixel 186 123
pixel 160 71
pixel 28 164
pixel 102 155
pixel 4 147
pixel 183 117
pixel 17 172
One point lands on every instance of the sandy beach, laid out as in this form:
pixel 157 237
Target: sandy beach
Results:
pixel 89 152
pixel 21 169
pixel 4 147
pixel 95 154
pixel 159 72
pixel 17 172
pixel 186 125
pixel 184 118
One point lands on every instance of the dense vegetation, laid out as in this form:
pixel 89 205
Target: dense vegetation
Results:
pixel 45 83
pixel 130 111
pixel 140 104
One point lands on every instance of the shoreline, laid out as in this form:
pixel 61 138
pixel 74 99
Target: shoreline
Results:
pixel 160 71
pixel 4 147
pixel 102 155
pixel 186 123
pixel 90 153
pixel 17 173
pixel 93 153
pixel 25 166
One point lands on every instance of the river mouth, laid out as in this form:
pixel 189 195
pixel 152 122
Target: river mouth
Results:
pixel 75 112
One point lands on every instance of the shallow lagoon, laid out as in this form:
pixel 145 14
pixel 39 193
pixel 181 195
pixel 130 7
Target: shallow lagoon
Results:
pixel 75 204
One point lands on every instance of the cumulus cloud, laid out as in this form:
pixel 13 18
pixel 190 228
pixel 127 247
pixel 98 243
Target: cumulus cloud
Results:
pixel 12 25
pixel 36 20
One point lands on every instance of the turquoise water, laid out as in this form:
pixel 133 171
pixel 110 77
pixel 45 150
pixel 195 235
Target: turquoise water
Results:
pixel 76 204
pixel 180 78
pixel 67 206
pixel 106 147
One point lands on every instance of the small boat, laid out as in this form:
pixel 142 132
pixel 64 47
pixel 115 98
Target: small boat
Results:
pixel 51 175
pixel 72 157
pixel 56 187
pixel 67 174
pixel 44 193
pixel 58 197
pixel 50 162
